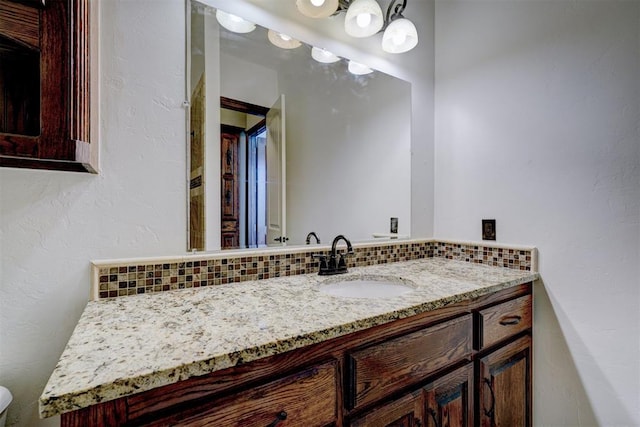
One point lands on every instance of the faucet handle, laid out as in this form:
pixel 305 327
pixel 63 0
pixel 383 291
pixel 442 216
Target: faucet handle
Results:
pixel 342 264
pixel 323 262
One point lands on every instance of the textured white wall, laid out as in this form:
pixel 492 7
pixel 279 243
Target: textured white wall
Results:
pixel 537 122
pixel 53 223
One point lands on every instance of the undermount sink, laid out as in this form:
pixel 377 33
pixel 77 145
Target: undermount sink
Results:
pixel 366 286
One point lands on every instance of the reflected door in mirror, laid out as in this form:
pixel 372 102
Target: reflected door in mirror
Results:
pixel 229 141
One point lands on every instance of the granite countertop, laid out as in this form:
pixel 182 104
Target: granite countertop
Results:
pixel 132 344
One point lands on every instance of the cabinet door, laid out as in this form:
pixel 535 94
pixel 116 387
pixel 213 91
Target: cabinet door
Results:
pixel 306 398
pixel 45 85
pixel 449 399
pixel 504 385
pixel 404 412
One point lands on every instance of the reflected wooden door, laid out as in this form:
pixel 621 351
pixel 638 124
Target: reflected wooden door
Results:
pixel 197 184
pixel 230 236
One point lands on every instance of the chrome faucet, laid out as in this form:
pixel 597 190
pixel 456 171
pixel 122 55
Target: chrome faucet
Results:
pixel 313 233
pixel 336 263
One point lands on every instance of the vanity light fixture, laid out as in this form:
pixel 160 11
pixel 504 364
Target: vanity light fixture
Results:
pixel 400 34
pixel 358 69
pixel 364 18
pixel 234 23
pixel 317 8
pixel 323 55
pixel 283 41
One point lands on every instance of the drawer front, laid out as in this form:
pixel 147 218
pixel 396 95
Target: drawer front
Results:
pixel 376 371
pixel 503 321
pixel 306 398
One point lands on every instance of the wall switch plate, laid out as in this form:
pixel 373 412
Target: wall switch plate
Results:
pixel 488 229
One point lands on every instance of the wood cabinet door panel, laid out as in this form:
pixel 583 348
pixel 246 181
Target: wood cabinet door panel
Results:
pixel 449 399
pixel 306 398
pixel 502 321
pixel 504 385
pixel 383 368
pixel 404 412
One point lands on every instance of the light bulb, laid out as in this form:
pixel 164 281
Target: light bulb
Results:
pixel 323 55
pixel 398 38
pixel 317 8
pixel 283 41
pixel 234 23
pixel 358 69
pixel 363 20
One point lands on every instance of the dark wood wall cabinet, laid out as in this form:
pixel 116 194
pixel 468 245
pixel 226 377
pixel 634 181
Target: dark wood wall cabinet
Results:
pixel 468 364
pixel 45 85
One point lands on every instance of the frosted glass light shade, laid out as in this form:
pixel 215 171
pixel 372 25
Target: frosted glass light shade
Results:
pixel 234 23
pixel 317 8
pixel 324 56
pixel 364 18
pixel 400 36
pixel 283 41
pixel 358 69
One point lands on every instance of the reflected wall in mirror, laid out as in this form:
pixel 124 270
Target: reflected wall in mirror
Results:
pixel 283 145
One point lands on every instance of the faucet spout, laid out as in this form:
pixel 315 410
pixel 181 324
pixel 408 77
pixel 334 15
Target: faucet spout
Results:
pixel 335 244
pixel 312 234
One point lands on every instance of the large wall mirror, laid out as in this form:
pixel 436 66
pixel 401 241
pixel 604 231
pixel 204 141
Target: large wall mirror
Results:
pixel 282 145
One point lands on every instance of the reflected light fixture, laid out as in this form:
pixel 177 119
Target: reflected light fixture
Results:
pixel 283 41
pixel 234 23
pixel 364 18
pixel 323 55
pixel 358 69
pixel 317 8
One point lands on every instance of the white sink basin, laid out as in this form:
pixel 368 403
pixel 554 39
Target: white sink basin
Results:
pixel 370 287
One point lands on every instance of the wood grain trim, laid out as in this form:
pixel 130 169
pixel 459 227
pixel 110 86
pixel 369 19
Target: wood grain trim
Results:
pixel 20 24
pixel 382 369
pixel 499 322
pixel 103 414
pixel 243 107
pixel 80 71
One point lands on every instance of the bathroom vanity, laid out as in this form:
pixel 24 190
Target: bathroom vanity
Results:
pixel 454 351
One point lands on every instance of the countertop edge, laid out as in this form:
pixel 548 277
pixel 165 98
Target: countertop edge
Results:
pixel 56 405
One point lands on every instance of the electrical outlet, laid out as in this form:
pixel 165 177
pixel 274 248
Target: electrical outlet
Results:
pixel 394 225
pixel 488 229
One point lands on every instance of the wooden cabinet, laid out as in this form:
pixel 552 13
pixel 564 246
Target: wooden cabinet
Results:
pixel 449 399
pixel 404 412
pixel 381 369
pixel 305 398
pixel 462 365
pixel 504 385
pixel 45 93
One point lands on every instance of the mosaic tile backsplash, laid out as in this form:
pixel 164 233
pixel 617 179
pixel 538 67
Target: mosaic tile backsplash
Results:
pixel 116 279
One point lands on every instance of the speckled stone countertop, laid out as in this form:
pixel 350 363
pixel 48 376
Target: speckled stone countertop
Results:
pixel 137 343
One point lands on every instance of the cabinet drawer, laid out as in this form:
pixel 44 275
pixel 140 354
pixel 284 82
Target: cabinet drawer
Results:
pixel 381 369
pixel 306 398
pixel 503 320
